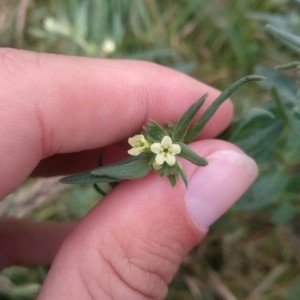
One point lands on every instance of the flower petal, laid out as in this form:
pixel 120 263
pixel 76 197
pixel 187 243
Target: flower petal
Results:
pixel 133 141
pixel 143 140
pixel 175 149
pixel 137 140
pixel 135 151
pixel 166 142
pixel 156 148
pixel 170 159
pixel 160 158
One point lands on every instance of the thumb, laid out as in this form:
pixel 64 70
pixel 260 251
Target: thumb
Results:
pixel 132 243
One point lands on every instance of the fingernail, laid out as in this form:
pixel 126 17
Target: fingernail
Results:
pixel 214 189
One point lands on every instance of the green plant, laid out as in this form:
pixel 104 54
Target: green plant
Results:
pixel 271 136
pixel 252 253
pixel 156 148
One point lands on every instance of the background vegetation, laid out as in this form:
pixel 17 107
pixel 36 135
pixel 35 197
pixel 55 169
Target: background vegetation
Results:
pixel 253 251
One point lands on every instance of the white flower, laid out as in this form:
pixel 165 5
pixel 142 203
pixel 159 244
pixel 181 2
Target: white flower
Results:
pixel 57 26
pixel 108 46
pixel 138 143
pixel 165 151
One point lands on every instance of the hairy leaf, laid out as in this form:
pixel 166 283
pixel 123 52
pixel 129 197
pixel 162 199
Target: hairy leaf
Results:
pixel 196 129
pixel 191 156
pixel 86 177
pixel 182 174
pixel 130 168
pixel 154 132
pixel 185 121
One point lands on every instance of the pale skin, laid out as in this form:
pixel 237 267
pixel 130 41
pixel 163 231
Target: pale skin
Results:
pixel 57 114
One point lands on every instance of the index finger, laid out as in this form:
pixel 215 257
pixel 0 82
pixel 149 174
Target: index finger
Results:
pixel 56 104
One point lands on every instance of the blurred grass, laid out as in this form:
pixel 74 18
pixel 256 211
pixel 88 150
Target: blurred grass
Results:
pixel 250 254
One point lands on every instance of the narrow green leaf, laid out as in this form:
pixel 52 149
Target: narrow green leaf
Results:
pixel 195 130
pixel 172 179
pixel 191 156
pixel 288 114
pixel 288 66
pixel 290 40
pixel 154 132
pixel 282 111
pixel 86 177
pixel 182 174
pixel 286 87
pixel 130 168
pixel 185 121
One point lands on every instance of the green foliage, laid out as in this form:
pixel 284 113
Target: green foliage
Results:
pixel 191 156
pixel 293 291
pixel 217 42
pixel 129 168
pixel 141 163
pixel 154 131
pixel 186 35
pixel 194 131
pixel 184 123
pixel 270 134
pixel 272 131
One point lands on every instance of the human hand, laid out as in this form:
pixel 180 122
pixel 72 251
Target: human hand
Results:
pixel 57 114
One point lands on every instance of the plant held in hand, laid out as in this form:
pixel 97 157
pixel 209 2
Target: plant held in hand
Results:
pixel 157 148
